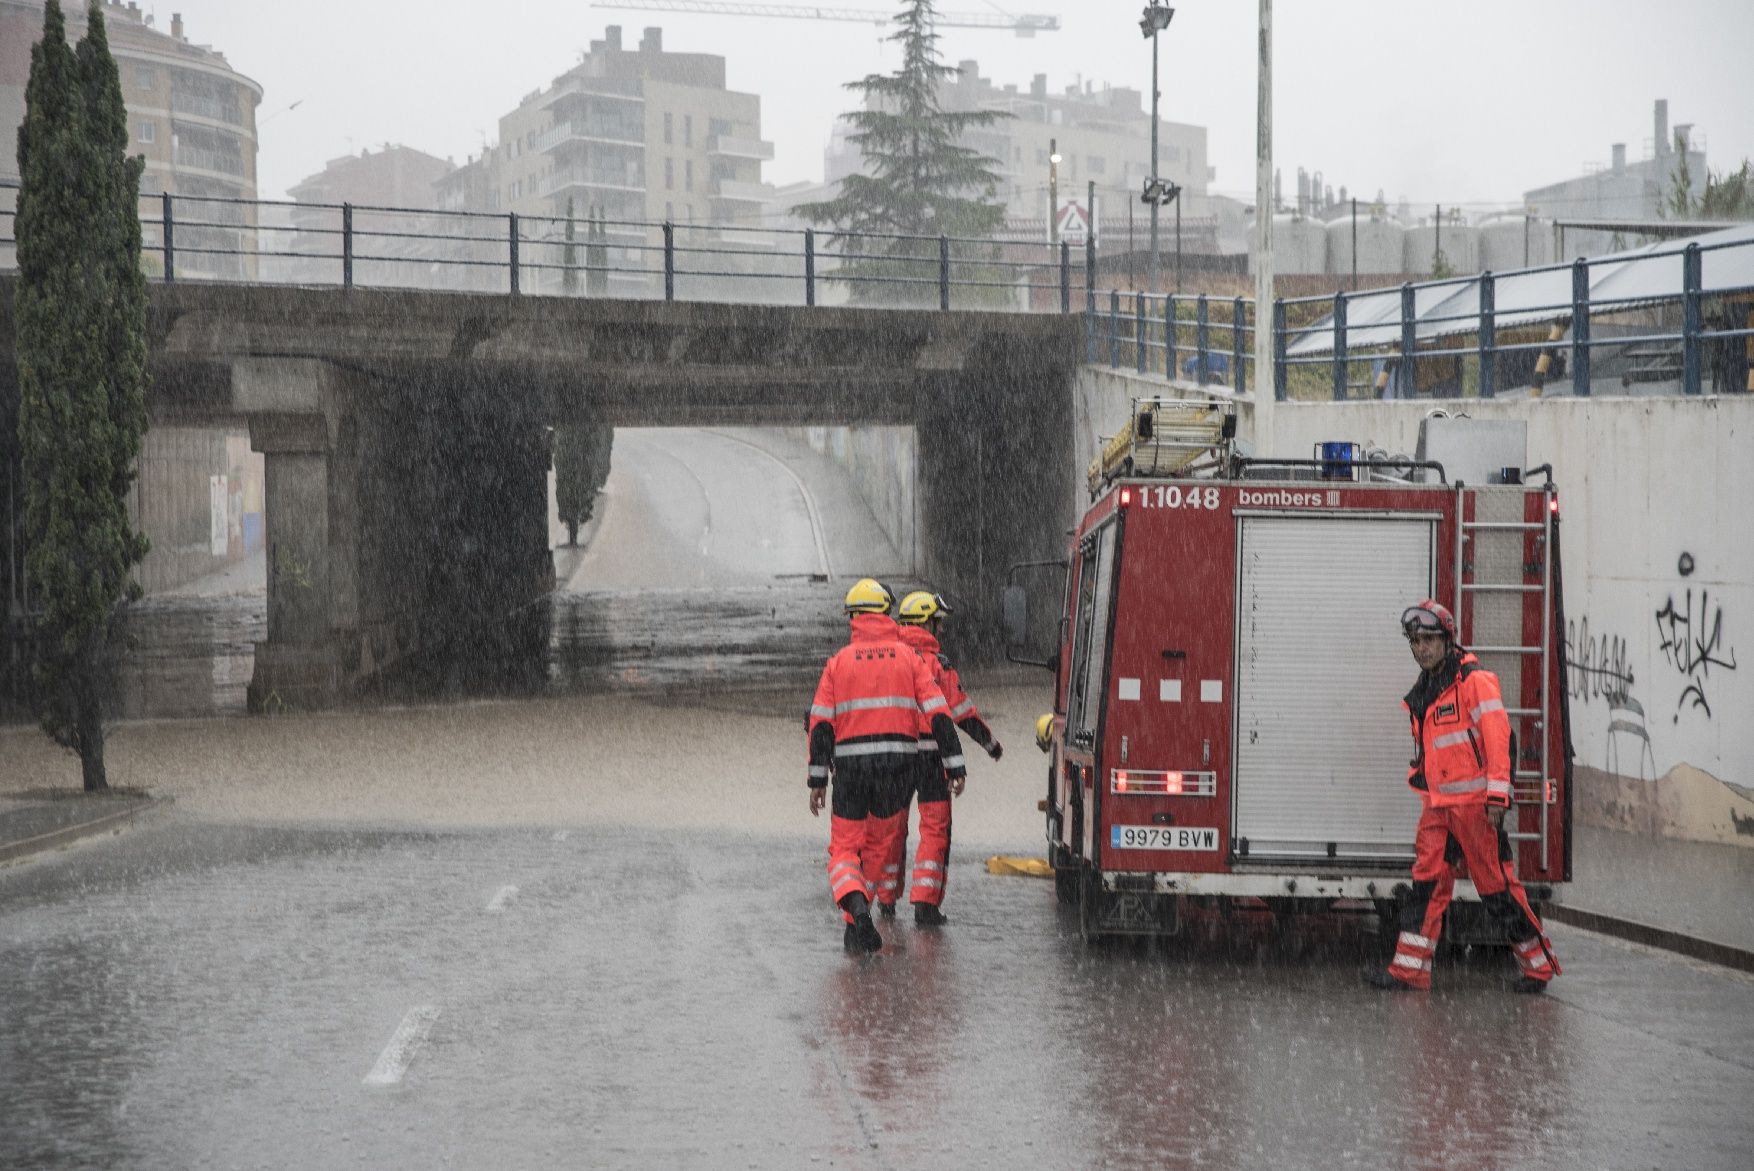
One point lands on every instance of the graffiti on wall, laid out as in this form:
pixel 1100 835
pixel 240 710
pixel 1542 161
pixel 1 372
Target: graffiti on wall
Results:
pixel 1596 666
pixel 1692 642
pixel 1597 669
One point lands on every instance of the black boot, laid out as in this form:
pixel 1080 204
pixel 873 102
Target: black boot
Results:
pixel 1380 978
pixel 926 915
pixel 869 937
pixel 887 910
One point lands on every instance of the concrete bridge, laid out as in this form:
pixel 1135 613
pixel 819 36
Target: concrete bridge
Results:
pixel 404 436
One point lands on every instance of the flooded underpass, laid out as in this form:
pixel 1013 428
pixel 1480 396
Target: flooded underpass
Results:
pixel 588 923
pixel 715 559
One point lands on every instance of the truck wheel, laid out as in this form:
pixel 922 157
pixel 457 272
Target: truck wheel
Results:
pixel 1089 890
pixel 1066 885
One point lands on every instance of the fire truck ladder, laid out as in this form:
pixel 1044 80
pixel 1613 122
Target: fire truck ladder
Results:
pixel 1493 587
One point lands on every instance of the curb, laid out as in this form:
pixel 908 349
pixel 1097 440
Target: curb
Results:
pixel 1633 931
pixel 67 834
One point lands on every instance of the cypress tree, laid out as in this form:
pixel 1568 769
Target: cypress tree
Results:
pixel 81 371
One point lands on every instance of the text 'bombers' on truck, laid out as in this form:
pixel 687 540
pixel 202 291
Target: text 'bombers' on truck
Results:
pixel 1228 726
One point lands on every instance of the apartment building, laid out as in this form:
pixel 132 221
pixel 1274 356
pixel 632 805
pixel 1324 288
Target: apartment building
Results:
pixel 191 116
pixel 633 137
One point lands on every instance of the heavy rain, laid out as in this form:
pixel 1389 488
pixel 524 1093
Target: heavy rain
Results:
pixel 506 519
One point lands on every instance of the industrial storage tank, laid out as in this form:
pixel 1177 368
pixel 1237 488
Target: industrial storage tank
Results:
pixel 1300 245
pixel 1379 246
pixel 1512 243
pixel 1460 243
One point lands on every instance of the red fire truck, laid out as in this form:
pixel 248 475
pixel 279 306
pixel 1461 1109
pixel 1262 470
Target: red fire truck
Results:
pixel 1227 727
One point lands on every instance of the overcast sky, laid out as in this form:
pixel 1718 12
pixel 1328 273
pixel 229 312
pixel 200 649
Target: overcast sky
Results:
pixel 1447 102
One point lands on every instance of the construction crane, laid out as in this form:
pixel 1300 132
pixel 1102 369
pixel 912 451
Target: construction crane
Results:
pixel 1023 26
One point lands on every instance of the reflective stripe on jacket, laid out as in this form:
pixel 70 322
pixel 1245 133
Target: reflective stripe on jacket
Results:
pixel 1461 735
pixel 871 701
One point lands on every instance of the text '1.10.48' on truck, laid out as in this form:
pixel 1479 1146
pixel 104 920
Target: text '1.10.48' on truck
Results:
pixel 1227 728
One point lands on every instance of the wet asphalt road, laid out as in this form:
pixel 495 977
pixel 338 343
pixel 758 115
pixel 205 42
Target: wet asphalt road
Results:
pixel 205 992
pixel 195 995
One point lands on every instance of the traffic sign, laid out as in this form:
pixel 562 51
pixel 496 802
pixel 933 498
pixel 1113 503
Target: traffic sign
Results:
pixel 1073 223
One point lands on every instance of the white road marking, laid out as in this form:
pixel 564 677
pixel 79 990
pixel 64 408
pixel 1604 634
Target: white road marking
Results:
pixel 809 500
pixel 501 898
pixel 393 1062
pixel 560 835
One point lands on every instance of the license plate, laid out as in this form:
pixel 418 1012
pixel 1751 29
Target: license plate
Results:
pixel 1163 837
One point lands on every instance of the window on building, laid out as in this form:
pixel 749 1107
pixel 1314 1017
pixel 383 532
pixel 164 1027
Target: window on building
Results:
pixel 669 129
pixel 1041 157
pixel 145 77
pixel 669 174
pixel 1172 153
pixel 688 130
pixel 669 213
pixel 148 132
pixel 688 175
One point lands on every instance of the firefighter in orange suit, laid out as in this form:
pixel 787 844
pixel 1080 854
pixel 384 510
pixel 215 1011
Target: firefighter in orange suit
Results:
pixel 1461 770
pixel 919 616
pixel 864 728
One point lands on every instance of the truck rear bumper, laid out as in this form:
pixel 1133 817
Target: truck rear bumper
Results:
pixel 1283 885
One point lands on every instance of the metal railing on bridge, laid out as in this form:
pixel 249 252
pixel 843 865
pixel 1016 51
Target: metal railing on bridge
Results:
pixel 210 238
pixel 1659 319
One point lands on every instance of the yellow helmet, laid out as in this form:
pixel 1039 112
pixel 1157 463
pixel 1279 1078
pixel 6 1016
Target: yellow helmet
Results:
pixel 869 596
pixel 1044 731
pixel 920 607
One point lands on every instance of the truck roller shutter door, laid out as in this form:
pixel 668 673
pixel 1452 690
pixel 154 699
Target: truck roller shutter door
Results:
pixel 1321 740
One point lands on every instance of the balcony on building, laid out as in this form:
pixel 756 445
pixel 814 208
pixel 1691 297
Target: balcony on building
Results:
pixel 593 129
pixel 583 94
pixel 212 161
pixel 730 146
pixel 594 178
pixel 209 108
pixel 736 191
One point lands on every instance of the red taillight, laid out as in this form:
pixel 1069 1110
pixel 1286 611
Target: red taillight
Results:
pixel 1126 497
pixel 1553 505
pixel 1166 782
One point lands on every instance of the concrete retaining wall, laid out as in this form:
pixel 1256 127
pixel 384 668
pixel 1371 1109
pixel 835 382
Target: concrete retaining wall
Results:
pixel 882 462
pixel 1659 592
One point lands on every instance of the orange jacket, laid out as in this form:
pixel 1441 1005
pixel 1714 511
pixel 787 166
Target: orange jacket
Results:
pixel 963 713
pixel 875 695
pixel 1461 735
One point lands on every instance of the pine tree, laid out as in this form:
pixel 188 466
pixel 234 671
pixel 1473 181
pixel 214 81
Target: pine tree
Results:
pixel 81 371
pixel 920 180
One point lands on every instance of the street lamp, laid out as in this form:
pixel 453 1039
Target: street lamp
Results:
pixel 1053 191
pixel 1153 20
